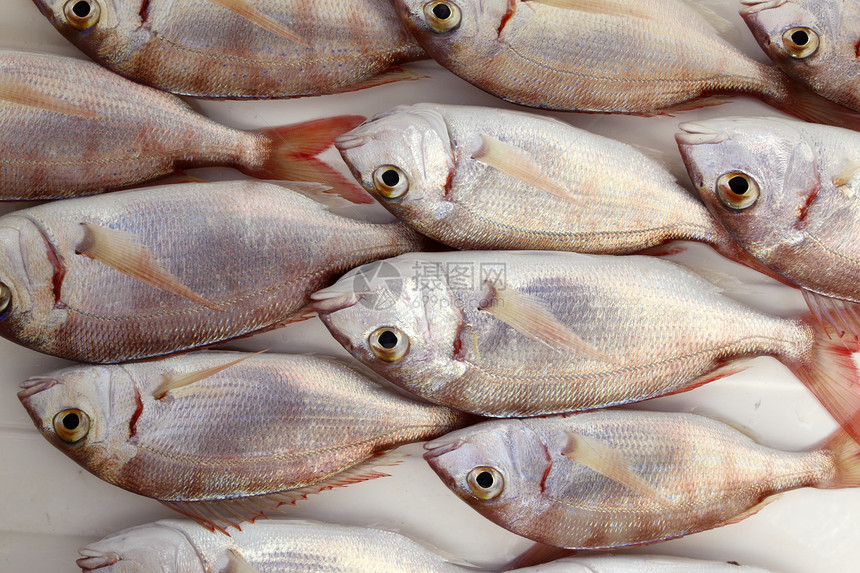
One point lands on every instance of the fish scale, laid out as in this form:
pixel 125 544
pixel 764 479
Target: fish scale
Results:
pixel 255 250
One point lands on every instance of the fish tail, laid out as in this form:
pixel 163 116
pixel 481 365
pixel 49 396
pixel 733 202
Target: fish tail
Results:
pixel 293 150
pixel 831 374
pixel 799 101
pixel 846 457
pixel 724 244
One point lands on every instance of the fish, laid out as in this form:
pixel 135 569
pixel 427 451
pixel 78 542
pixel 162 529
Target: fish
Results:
pixel 787 193
pixel 146 272
pixel 240 49
pixel 226 437
pixel 615 56
pixel 531 333
pixel 815 43
pixel 69 127
pixel 296 546
pixel 482 178
pixel 615 478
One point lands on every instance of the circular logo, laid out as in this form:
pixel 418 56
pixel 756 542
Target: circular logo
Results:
pixel 378 286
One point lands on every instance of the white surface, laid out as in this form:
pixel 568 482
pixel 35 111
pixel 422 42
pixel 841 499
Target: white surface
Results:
pixel 50 506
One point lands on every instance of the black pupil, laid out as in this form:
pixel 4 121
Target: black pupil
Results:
pixel 442 11
pixel 739 185
pixel 391 178
pixel 800 38
pixel 71 421
pixel 485 480
pixel 81 9
pixel 388 339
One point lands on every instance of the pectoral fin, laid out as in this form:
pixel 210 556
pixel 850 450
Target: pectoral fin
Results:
pixel 237 564
pixel 520 165
pixel 246 10
pixel 843 179
pixel 527 315
pixel 607 7
pixel 171 382
pixel 605 460
pixel 24 95
pixel 122 251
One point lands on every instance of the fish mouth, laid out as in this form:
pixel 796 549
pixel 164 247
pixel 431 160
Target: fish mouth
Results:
pixel 92 559
pixel 754 6
pixel 698 134
pixel 33 386
pixel 350 141
pixel 330 300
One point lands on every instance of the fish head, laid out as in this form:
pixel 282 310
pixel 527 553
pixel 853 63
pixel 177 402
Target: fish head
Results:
pixel 86 412
pixel 757 176
pixel 154 547
pixel 94 25
pixel 30 277
pixel 399 317
pixel 799 35
pixel 497 467
pixel 452 30
pixel 404 158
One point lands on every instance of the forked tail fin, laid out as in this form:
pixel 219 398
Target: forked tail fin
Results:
pixel 799 101
pixel 293 155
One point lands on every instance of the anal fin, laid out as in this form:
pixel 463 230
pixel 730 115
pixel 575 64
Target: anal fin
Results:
pixel 218 515
pixel 123 252
pixel 749 512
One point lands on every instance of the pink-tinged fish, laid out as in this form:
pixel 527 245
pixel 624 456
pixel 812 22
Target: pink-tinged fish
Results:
pixel 69 127
pixel 787 191
pixel 615 478
pixel 816 42
pixel 241 48
pixel 224 436
pixel 531 333
pixel 146 272
pixel 620 56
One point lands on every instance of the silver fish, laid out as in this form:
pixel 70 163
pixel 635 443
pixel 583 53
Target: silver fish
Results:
pixel 241 48
pixel 69 127
pixel 614 478
pixel 225 437
pixel 813 41
pixel 482 178
pixel 179 546
pixel 533 333
pixel 787 192
pixel 147 272
pixel 619 56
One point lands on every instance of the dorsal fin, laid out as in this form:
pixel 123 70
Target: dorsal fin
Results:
pixel 24 95
pixel 218 515
pixel 527 315
pixel 248 11
pixel 123 252
pixel 605 460
pixel 171 382
pixel 520 165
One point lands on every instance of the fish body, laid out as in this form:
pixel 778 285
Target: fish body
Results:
pixel 614 478
pixel 69 127
pixel 799 211
pixel 570 190
pixel 264 425
pixel 620 56
pixel 532 333
pixel 239 48
pixel 814 42
pixel 147 272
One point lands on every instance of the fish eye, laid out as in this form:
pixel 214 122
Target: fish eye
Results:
pixel 442 16
pixel 800 42
pixel 485 483
pixel 390 182
pixel 71 425
pixel 5 298
pixel 389 343
pixel 82 14
pixel 737 191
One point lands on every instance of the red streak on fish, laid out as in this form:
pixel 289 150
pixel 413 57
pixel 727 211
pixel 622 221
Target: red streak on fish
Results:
pixel 547 470
pixel 804 211
pixel 144 11
pixel 857 49
pixel 132 423
pixel 449 183
pixel 512 9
